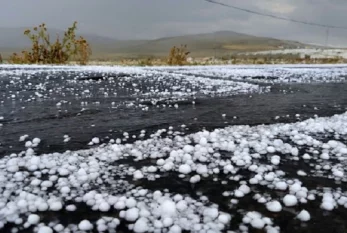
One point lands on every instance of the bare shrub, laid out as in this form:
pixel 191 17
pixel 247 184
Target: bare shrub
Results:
pixel 44 51
pixel 178 55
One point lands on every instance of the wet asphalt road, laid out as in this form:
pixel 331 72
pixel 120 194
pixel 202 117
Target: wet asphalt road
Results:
pixel 45 120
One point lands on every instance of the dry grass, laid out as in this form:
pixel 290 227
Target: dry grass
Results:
pixel 233 60
pixel 212 61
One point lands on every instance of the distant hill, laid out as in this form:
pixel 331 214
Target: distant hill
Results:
pixel 208 44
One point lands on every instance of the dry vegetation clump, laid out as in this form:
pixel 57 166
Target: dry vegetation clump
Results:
pixel 146 62
pixel 44 51
pixel 178 55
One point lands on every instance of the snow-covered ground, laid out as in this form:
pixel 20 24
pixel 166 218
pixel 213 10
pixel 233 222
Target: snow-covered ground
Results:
pixel 236 178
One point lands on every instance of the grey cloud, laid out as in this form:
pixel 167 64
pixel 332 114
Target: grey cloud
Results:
pixel 142 19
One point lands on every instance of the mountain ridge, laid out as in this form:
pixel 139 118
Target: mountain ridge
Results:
pixel 201 44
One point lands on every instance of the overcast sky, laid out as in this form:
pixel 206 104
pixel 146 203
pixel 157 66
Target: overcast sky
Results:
pixel 147 19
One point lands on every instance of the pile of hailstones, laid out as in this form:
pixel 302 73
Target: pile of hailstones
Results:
pixel 32 184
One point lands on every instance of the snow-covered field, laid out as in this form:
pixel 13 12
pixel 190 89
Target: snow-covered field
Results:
pixel 238 178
